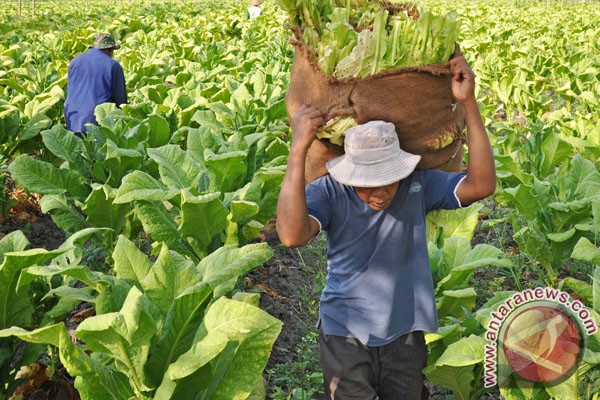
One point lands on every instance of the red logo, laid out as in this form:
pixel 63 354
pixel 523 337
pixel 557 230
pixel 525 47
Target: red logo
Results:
pixel 542 344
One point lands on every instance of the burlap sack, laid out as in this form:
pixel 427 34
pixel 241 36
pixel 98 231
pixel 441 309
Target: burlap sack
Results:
pixel 417 100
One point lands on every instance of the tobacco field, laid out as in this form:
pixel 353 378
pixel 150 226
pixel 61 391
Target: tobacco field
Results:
pixel 166 207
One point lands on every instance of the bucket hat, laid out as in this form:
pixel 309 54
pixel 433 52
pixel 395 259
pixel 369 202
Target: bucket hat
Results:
pixel 105 41
pixel 373 157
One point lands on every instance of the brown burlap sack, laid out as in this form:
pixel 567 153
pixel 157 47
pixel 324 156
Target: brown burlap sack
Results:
pixel 417 100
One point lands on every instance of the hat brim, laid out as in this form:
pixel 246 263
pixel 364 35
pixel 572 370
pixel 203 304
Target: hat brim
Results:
pixel 116 46
pixel 373 175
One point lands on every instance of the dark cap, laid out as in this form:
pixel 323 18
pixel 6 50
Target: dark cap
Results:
pixel 105 41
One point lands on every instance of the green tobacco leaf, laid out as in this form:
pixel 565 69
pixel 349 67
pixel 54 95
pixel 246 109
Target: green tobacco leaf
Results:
pixel 582 289
pixel 15 305
pixel 34 126
pixel 461 222
pixel 524 390
pixel 102 212
pixel 64 145
pixel 226 170
pixel 10 122
pixel 44 178
pixel 14 241
pixel 555 151
pixel 242 210
pixel 129 262
pixel 586 251
pixel 230 262
pixel 228 356
pixel 454 369
pixel 124 336
pixel 93 380
pixel 264 191
pixel 40 104
pixel 119 162
pixel 562 236
pixel 157 222
pixel 481 255
pixel 452 302
pixel 44 335
pixel 583 179
pixel 181 324
pixel 160 132
pixel 202 217
pixel 139 185
pixel 171 275
pixel 177 169
pixel 483 314
pixel 524 199
pixel 64 214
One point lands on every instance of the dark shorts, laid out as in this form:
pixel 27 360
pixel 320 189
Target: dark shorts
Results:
pixel 390 372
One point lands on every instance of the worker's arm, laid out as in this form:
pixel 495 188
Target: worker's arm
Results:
pixel 480 181
pixel 294 226
pixel 119 90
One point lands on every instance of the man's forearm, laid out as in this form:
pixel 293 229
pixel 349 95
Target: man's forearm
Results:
pixel 293 222
pixel 481 171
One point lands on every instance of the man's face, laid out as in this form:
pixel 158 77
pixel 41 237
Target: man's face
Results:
pixel 378 198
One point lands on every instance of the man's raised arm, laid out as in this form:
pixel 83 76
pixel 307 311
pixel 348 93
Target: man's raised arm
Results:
pixel 294 226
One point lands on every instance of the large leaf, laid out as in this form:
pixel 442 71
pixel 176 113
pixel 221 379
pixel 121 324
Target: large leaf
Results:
pixel 227 171
pixel 64 145
pixel 119 162
pixel 230 262
pixel 102 212
pixel 452 302
pixel 177 169
pixel 64 214
pixel 182 321
pixel 158 222
pixel 202 217
pixel 14 241
pixel 34 126
pixel 228 356
pixel 454 369
pixel 44 178
pixel 587 251
pixel 15 305
pixel 139 185
pixel 124 336
pixel 130 263
pixel 170 276
pixel 482 255
pixel 160 132
pixel 461 222
pixel 264 191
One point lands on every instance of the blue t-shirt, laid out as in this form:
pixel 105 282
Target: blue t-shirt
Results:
pixel 94 78
pixel 379 283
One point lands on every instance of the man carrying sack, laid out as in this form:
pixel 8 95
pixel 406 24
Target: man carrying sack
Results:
pixel 379 297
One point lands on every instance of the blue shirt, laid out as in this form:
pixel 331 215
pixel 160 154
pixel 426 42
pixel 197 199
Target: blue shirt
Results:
pixel 94 78
pixel 379 284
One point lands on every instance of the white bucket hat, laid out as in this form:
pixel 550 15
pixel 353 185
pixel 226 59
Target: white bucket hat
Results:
pixel 373 157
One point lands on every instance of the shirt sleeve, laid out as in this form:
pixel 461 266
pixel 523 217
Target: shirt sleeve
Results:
pixel 119 91
pixel 441 189
pixel 317 202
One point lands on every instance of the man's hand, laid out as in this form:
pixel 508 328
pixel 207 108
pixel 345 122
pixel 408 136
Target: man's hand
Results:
pixel 304 126
pixel 463 80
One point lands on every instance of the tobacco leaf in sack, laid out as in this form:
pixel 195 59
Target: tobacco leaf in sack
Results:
pixel 417 99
